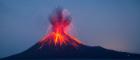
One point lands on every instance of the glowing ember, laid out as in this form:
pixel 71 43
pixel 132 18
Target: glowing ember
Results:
pixel 59 36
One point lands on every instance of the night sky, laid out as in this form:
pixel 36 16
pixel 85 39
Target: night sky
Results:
pixel 112 24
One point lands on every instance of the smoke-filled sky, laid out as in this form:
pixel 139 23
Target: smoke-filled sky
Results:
pixel 112 24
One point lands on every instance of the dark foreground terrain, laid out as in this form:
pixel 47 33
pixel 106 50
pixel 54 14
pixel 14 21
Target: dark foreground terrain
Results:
pixel 70 52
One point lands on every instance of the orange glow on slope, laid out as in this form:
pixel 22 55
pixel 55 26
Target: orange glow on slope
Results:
pixel 59 37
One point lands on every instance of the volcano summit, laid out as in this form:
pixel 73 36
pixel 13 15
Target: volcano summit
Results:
pixel 58 35
pixel 59 44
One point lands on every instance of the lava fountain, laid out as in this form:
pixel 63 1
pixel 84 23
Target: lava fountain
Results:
pixel 58 36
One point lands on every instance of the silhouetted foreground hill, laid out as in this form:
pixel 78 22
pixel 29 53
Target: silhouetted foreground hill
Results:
pixel 82 51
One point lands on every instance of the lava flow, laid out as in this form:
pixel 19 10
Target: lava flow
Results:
pixel 58 35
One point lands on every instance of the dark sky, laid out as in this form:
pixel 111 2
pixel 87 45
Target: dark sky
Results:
pixel 112 24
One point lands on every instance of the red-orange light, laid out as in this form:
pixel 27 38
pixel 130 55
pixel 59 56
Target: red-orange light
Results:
pixel 59 35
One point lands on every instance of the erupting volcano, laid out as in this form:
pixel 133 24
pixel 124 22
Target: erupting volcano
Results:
pixel 58 35
pixel 58 43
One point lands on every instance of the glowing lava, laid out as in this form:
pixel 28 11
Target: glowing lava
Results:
pixel 58 35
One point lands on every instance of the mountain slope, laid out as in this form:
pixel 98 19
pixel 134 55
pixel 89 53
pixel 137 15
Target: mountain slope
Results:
pixel 67 51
